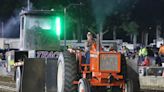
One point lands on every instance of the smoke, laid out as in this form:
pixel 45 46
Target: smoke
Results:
pixel 11 27
pixel 102 9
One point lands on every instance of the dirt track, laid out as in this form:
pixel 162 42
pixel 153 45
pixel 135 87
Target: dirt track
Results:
pixel 7 87
pixel 10 86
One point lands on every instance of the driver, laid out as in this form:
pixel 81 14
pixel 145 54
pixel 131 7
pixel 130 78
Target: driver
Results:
pixel 90 41
pixel 36 26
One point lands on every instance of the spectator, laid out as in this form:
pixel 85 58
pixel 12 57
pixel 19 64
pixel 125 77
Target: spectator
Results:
pixel 146 61
pixel 107 48
pixel 140 57
pixel 151 54
pixel 90 41
pixel 142 54
pixel 112 50
pixel 125 50
pixel 161 50
pixel 158 61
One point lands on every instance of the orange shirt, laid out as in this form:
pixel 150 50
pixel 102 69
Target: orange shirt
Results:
pixel 161 50
pixel 94 47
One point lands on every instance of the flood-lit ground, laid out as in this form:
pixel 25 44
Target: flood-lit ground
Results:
pixel 3 71
pixel 6 81
pixel 8 85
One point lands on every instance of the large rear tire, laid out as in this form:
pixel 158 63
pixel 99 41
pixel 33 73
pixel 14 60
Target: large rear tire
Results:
pixel 18 79
pixel 128 87
pixel 84 86
pixel 67 72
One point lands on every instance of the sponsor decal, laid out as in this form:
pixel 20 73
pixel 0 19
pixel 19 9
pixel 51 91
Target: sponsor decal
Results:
pixel 47 54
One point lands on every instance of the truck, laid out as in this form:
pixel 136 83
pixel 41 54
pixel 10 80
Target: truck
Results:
pixel 35 63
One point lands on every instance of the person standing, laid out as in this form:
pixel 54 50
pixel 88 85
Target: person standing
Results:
pixel 142 54
pixel 146 62
pixel 158 61
pixel 90 41
pixel 161 50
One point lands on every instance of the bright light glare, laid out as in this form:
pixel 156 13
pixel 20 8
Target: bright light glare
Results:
pixel 58 26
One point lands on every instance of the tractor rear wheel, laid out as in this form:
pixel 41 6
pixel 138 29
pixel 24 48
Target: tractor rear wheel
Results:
pixel 84 86
pixel 67 72
pixel 128 87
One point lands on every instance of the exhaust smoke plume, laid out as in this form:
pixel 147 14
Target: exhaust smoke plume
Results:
pixel 11 27
pixel 102 9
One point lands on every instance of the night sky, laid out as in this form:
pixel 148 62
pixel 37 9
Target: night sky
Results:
pixel 146 13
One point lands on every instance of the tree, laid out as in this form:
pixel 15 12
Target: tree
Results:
pixel 132 29
pixel 92 29
pixel 113 23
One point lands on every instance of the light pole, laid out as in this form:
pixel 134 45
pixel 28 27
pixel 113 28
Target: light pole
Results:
pixel 28 5
pixel 2 30
pixel 65 14
pixel 2 34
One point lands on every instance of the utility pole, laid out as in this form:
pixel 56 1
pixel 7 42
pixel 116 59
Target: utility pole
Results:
pixel 2 30
pixel 2 34
pixel 114 33
pixel 28 5
pixel 65 43
pixel 158 31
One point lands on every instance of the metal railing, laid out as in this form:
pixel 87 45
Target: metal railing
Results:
pixel 151 71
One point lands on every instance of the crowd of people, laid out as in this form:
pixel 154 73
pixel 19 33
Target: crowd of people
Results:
pixel 148 56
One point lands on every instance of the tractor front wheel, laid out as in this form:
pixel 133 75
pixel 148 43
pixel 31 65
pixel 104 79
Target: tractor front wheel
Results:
pixel 84 86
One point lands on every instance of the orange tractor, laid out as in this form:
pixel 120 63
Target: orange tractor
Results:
pixel 106 71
